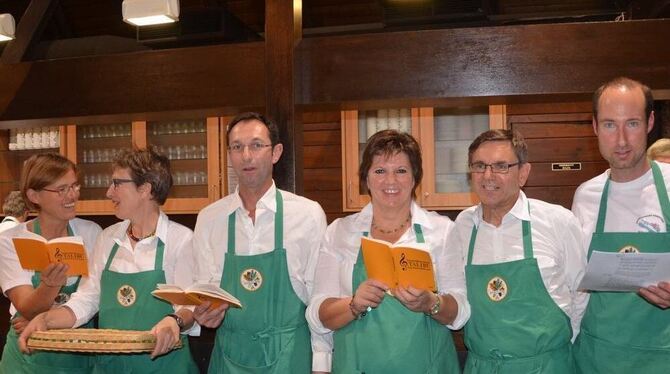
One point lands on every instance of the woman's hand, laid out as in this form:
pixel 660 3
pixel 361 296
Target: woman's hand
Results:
pixel 209 316
pixel 415 299
pixel 54 275
pixel 166 332
pixel 19 323
pixel 37 324
pixel 369 294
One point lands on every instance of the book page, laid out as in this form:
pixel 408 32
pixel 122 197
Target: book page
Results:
pixel 32 253
pixel 414 267
pixel 174 297
pixel 213 293
pixel 378 261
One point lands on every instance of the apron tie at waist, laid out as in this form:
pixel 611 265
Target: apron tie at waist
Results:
pixel 496 356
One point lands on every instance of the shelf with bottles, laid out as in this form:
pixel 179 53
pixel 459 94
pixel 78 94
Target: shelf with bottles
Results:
pixel 92 133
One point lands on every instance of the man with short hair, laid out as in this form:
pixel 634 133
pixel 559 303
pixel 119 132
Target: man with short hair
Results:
pixel 524 259
pixel 14 209
pixel 626 206
pixel 260 244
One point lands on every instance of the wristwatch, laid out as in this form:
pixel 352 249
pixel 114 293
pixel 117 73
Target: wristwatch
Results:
pixel 436 307
pixel 180 321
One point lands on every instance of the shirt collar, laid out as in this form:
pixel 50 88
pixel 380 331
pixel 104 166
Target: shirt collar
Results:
pixel 419 215
pixel 267 201
pixel 121 238
pixel 10 219
pixel 518 211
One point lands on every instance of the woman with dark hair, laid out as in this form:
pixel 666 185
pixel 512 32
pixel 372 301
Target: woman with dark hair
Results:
pixel 373 331
pixel 49 185
pixel 130 258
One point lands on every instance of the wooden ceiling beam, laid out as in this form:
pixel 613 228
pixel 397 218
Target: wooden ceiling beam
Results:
pixel 29 30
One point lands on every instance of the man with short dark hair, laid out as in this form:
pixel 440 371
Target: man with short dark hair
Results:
pixel 626 206
pixel 524 258
pixel 260 244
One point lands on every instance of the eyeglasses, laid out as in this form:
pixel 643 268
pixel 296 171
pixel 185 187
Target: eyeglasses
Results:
pixel 254 147
pixel 116 182
pixel 497 167
pixel 64 190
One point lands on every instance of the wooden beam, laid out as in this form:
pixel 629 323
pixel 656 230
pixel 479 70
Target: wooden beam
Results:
pixel 283 30
pixel 29 30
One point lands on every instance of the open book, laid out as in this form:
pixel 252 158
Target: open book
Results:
pixel 400 265
pixel 36 253
pixel 195 295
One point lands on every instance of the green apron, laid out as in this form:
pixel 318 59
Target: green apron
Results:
pixel 13 361
pixel 126 303
pixel 621 332
pixel 270 333
pixel 392 338
pixel 515 325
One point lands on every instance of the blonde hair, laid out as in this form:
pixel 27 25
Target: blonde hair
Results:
pixel 14 205
pixel 42 169
pixel 660 148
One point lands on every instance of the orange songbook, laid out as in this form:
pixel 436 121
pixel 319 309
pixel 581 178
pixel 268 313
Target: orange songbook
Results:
pixel 36 253
pixel 195 295
pixel 401 265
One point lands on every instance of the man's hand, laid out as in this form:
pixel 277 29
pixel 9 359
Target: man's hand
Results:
pixel 415 299
pixel 54 275
pixel 209 316
pixel 37 324
pixel 658 295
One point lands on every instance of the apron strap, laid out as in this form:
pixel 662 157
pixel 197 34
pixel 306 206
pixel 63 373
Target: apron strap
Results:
pixel 160 249
pixel 419 233
pixel 661 191
pixel 471 246
pixel 111 255
pixel 279 225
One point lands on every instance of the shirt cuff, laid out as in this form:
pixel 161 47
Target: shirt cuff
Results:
pixel 322 361
pixel 463 311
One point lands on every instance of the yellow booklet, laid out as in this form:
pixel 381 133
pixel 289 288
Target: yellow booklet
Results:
pixel 36 253
pixel 401 265
pixel 195 295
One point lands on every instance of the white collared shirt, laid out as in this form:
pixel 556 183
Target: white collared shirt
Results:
pixel 557 246
pixel 304 226
pixel 177 262
pixel 341 245
pixel 8 222
pixel 11 272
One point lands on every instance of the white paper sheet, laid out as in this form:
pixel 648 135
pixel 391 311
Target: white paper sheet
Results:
pixel 613 271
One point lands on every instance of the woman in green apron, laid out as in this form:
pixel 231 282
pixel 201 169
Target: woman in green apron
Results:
pixel 49 185
pixel 131 257
pixel 622 332
pixel 376 329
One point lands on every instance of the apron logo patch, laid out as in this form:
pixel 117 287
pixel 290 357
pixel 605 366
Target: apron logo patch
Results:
pixel 629 249
pixel 126 295
pixel 251 279
pixel 496 289
pixel 61 298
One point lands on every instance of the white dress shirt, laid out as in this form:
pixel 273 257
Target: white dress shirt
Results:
pixel 11 272
pixel 177 263
pixel 304 226
pixel 341 245
pixel 557 246
pixel 8 222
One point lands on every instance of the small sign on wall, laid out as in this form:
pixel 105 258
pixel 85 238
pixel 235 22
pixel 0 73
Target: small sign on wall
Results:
pixel 566 166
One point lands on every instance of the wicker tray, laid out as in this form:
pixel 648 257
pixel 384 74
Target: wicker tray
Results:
pixel 94 340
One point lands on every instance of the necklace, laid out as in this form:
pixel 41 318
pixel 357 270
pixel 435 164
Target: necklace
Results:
pixel 393 231
pixel 135 238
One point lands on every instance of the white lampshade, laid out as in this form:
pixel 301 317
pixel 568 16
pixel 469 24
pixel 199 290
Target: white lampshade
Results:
pixel 6 27
pixel 150 12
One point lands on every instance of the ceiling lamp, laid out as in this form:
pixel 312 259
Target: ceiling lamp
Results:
pixel 6 27
pixel 150 12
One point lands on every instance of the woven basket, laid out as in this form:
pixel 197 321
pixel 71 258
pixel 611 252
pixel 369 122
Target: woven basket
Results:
pixel 94 340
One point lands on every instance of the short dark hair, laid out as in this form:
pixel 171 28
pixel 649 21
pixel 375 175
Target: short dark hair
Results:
pixel 42 169
pixel 14 205
pixel 389 143
pixel 629 84
pixel 147 166
pixel 512 136
pixel 273 130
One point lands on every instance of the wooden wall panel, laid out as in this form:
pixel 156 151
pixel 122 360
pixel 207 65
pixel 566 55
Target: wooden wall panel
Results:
pixel 563 149
pixel 541 174
pixel 323 161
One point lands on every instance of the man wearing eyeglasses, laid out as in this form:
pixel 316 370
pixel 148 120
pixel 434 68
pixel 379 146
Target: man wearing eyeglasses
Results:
pixel 524 259
pixel 260 244
pixel 625 209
